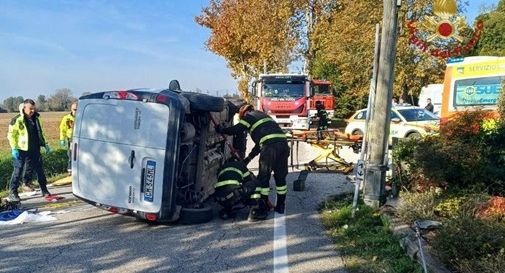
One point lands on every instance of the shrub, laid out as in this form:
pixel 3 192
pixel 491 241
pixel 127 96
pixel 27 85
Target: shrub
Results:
pixel 471 245
pixel 5 170
pixel 493 209
pixel 460 204
pixel 417 205
pixel 54 163
pixel 450 207
pixel 468 153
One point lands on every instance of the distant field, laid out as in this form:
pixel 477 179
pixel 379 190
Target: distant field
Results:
pixel 50 124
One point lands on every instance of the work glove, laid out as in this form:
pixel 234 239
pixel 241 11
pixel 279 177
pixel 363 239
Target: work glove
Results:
pixel 219 128
pixel 15 153
pixel 48 149
pixel 63 143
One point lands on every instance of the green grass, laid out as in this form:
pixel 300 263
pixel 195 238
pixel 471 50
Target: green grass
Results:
pixel 365 242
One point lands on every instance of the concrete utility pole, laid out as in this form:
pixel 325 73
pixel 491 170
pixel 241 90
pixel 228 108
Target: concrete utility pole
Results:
pixel 381 115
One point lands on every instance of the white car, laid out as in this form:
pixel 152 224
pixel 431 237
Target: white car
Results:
pixel 406 122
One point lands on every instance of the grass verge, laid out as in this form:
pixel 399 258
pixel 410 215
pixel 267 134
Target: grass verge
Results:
pixel 365 242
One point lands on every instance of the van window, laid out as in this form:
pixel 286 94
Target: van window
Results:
pixel 478 91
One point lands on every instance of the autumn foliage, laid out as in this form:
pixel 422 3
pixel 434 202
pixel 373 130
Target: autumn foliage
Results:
pixel 250 35
pixel 335 39
pixel 468 154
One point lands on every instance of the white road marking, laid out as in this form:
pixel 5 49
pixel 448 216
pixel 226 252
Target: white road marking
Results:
pixel 280 250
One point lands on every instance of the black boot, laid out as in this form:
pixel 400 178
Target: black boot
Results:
pixel 281 200
pixel 44 190
pixel 258 212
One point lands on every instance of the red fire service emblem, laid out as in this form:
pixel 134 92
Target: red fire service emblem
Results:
pixel 442 35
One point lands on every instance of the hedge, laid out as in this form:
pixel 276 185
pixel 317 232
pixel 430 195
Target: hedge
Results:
pixel 54 163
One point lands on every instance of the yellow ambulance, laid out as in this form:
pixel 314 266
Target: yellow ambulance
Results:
pixel 472 83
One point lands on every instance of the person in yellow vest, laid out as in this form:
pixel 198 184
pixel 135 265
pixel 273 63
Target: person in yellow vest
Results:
pixel 25 137
pixel 66 130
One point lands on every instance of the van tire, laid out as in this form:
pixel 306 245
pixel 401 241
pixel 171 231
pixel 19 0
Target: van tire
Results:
pixel 191 216
pixel 202 102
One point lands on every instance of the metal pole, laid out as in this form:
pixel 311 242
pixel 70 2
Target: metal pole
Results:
pixel 418 235
pixel 371 99
pixel 380 119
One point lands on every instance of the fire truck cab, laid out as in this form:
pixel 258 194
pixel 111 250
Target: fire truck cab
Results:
pixel 323 91
pixel 285 98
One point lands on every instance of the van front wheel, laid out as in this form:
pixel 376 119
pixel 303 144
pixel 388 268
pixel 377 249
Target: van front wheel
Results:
pixel 191 216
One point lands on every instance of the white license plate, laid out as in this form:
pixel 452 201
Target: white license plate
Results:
pixel 150 173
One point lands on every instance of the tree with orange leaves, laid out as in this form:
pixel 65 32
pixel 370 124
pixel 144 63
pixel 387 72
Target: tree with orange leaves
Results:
pixel 251 36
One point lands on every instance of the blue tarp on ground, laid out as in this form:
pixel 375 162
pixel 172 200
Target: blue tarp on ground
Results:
pixel 10 214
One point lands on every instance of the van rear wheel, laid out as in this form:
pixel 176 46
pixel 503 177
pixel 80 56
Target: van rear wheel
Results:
pixel 191 216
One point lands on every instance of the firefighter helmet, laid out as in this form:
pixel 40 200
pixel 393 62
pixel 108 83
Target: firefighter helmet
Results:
pixel 244 109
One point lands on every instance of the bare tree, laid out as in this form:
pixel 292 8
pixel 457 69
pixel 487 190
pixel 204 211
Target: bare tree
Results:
pixel 8 103
pixel 41 103
pixel 60 100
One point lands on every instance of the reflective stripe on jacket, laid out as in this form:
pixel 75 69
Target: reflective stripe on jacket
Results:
pixel 262 128
pixel 231 172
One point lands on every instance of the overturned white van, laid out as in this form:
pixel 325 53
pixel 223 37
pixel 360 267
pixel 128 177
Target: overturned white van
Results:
pixel 152 154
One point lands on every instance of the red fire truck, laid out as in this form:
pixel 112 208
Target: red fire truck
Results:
pixel 323 91
pixel 290 99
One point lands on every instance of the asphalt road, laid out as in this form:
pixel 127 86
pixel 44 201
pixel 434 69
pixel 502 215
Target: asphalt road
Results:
pixel 87 239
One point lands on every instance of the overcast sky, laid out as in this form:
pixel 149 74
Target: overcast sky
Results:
pixel 89 46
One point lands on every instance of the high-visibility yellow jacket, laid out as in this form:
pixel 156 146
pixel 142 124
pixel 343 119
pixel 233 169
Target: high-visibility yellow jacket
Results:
pixel 66 127
pixel 18 134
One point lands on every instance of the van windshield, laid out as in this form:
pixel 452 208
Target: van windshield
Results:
pixel 478 91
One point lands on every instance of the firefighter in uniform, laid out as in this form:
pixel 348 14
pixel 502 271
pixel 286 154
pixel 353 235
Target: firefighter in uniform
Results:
pixel 322 117
pixel 25 138
pixel 235 189
pixel 271 143
pixel 66 128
